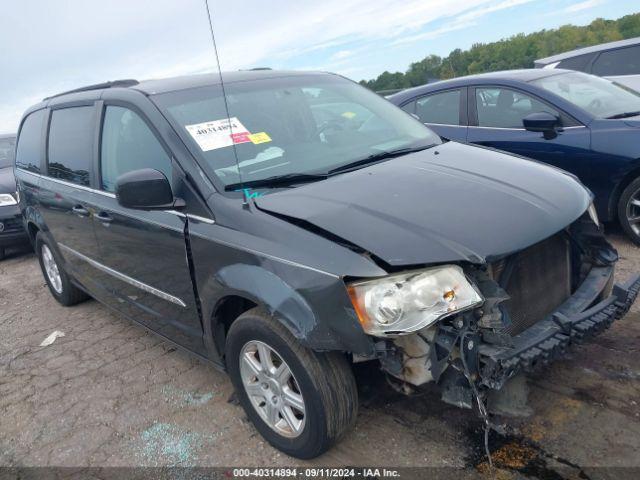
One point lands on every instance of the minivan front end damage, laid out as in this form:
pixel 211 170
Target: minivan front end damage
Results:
pixel 536 303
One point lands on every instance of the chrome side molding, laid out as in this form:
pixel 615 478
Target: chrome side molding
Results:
pixel 125 278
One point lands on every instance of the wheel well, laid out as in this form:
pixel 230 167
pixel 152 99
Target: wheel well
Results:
pixel 617 192
pixel 226 312
pixel 33 230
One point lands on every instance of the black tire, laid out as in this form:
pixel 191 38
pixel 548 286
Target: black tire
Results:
pixel 325 381
pixel 2 253
pixel 69 294
pixel 623 211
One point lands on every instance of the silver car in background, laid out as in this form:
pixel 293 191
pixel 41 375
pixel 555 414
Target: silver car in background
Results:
pixel 618 61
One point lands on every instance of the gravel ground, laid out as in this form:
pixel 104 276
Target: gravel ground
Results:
pixel 108 393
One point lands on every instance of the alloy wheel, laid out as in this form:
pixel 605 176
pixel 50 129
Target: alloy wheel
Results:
pixel 633 212
pixel 51 268
pixel 272 388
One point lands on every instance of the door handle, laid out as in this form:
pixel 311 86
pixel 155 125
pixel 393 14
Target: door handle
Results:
pixel 104 217
pixel 80 211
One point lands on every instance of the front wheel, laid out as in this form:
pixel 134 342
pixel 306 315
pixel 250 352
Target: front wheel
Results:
pixel 301 402
pixel 629 211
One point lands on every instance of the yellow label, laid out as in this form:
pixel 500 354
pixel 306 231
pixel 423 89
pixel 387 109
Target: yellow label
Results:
pixel 348 115
pixel 261 137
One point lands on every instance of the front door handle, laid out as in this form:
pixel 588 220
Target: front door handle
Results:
pixel 104 217
pixel 80 211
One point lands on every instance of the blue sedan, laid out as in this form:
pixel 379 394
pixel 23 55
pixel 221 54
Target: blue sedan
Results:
pixel 584 124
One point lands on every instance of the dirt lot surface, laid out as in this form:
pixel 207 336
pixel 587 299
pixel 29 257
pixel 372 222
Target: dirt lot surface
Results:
pixel 108 393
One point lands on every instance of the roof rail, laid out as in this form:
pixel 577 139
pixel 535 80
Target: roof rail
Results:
pixel 98 86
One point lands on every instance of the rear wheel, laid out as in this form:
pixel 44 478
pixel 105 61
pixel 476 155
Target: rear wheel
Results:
pixel 2 253
pixel 629 211
pixel 57 279
pixel 301 402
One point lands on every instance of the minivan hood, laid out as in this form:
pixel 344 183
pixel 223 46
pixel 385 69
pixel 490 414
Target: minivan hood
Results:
pixel 7 180
pixel 452 202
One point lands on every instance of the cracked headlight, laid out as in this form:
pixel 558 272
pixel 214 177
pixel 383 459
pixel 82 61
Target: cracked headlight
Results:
pixel 7 199
pixel 593 214
pixel 407 302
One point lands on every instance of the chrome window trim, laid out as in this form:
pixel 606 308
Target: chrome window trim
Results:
pixel 176 213
pixel 524 129
pixel 199 218
pixel 444 124
pixel 125 278
pixel 112 195
pixel 68 184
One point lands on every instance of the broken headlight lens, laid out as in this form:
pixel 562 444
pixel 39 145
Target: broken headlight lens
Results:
pixel 407 302
pixel 7 199
pixel 593 214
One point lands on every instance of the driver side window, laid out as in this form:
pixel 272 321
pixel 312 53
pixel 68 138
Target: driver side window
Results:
pixel 505 108
pixel 128 144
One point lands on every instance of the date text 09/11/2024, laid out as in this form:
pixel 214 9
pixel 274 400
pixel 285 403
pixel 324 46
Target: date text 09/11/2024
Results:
pixel 320 472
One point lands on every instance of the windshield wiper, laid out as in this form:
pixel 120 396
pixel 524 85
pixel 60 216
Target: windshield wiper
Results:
pixel 623 115
pixel 277 181
pixel 294 178
pixel 375 158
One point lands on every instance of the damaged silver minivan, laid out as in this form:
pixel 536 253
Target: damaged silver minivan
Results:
pixel 290 224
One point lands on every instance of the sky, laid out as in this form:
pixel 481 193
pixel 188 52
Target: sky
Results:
pixel 49 47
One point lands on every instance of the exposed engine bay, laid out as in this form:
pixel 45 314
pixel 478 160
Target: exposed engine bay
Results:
pixel 538 302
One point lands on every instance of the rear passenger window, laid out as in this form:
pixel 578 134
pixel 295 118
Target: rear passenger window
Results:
pixel 624 61
pixel 29 148
pixel 128 144
pixel 442 108
pixel 71 144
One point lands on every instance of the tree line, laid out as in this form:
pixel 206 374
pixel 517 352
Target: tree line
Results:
pixel 518 51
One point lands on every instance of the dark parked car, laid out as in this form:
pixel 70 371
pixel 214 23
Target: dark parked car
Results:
pixel 619 61
pixel 12 232
pixel 303 223
pixel 584 124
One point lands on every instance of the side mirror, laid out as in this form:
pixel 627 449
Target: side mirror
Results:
pixel 543 122
pixel 146 189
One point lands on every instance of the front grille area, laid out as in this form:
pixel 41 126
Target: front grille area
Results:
pixel 538 280
pixel 12 225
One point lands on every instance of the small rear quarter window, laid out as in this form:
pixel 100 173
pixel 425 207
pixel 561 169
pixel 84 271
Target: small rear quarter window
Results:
pixel 29 150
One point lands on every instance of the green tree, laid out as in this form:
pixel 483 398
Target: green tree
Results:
pixel 518 51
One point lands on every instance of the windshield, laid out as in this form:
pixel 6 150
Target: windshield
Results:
pixel 305 124
pixel 7 146
pixel 600 97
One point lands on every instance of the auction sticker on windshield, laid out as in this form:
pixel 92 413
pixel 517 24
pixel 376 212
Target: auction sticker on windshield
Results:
pixel 218 133
pixel 260 137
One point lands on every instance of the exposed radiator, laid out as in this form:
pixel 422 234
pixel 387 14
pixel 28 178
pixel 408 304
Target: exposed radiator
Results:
pixel 538 280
